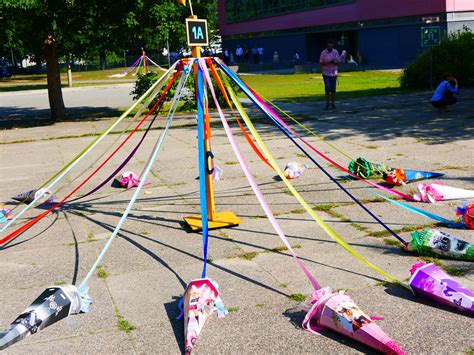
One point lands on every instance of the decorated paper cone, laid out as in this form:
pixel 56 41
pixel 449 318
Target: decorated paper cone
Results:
pixel 415 175
pixel 29 196
pixel 338 312
pixel 5 214
pixel 25 197
pixel 429 281
pixel 200 301
pixel 399 177
pixel 127 180
pixel 293 170
pixel 454 193
pixel 54 304
pixel 466 215
pixel 366 169
pixel 433 242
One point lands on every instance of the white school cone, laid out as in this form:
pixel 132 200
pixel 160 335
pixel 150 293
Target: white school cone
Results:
pixel 439 192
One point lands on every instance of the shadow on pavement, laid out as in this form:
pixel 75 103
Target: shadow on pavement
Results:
pixel 24 117
pixel 400 292
pixel 296 316
pixel 380 118
pixel 172 310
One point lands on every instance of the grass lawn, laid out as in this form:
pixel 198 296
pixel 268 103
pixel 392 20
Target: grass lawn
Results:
pixel 38 81
pixel 310 87
pixel 76 75
pixel 286 88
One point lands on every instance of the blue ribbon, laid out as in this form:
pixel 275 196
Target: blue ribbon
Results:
pixel 450 223
pixel 202 167
pixel 242 86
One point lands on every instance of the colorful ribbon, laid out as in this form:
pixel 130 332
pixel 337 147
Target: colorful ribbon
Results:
pixel 426 214
pixel 320 137
pixel 333 234
pixel 252 96
pixel 44 214
pixel 202 167
pixel 127 181
pixel 274 116
pixel 71 164
pixel 152 159
pixel 253 183
pixel 229 103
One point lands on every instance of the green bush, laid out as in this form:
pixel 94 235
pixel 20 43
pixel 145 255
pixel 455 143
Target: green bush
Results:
pixel 454 55
pixel 188 98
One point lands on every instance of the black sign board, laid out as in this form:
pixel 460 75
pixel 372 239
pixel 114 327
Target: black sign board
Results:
pixel 196 31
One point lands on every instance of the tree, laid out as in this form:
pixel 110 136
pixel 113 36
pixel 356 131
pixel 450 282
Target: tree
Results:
pixel 51 29
pixel 37 23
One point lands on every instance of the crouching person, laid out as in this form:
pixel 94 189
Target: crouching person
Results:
pixel 446 93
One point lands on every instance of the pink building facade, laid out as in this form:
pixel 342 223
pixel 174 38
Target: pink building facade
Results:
pixel 376 32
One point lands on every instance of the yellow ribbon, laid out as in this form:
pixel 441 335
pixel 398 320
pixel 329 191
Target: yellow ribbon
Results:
pixel 331 232
pixel 321 138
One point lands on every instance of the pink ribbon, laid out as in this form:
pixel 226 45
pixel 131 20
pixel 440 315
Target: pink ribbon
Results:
pixel 251 179
pixel 325 157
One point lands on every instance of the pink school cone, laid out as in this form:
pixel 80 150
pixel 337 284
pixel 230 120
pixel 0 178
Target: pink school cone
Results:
pixel 438 192
pixel 338 312
pixel 200 301
pixel 429 281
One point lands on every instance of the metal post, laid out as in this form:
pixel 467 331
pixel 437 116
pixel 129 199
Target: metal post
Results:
pixel 168 49
pixel 69 71
pixel 431 68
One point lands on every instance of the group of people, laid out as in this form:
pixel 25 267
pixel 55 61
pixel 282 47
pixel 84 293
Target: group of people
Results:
pixel 445 94
pixel 242 55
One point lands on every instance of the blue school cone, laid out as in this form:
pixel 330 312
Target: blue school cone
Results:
pixel 415 175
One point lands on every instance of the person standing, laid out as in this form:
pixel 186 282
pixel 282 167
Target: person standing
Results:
pixel 226 56
pixel 276 57
pixel 255 55
pixel 445 93
pixel 329 60
pixel 260 52
pixel 246 55
pixel 239 53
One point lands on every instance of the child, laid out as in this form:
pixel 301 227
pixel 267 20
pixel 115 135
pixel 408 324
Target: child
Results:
pixel 445 93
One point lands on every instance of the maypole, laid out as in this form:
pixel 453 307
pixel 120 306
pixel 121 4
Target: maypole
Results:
pixel 197 36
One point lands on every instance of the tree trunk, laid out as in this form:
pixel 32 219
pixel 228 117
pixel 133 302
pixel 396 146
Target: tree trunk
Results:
pixel 103 60
pixel 55 95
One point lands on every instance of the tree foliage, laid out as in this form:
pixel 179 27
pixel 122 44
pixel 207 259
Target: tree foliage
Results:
pixel 89 28
pixel 53 29
pixel 453 55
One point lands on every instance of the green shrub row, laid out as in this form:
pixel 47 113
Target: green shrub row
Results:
pixel 454 55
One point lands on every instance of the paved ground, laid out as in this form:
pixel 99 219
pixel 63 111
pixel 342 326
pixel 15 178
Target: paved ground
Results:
pixel 154 257
pixel 31 107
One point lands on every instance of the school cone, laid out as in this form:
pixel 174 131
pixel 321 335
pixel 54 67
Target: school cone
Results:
pixel 404 176
pixel 54 304
pixel 338 312
pixel 431 242
pixel 430 282
pixel 29 196
pixel 438 192
pixel 365 169
pixel 201 299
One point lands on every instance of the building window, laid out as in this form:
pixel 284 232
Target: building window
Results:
pixel 244 10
